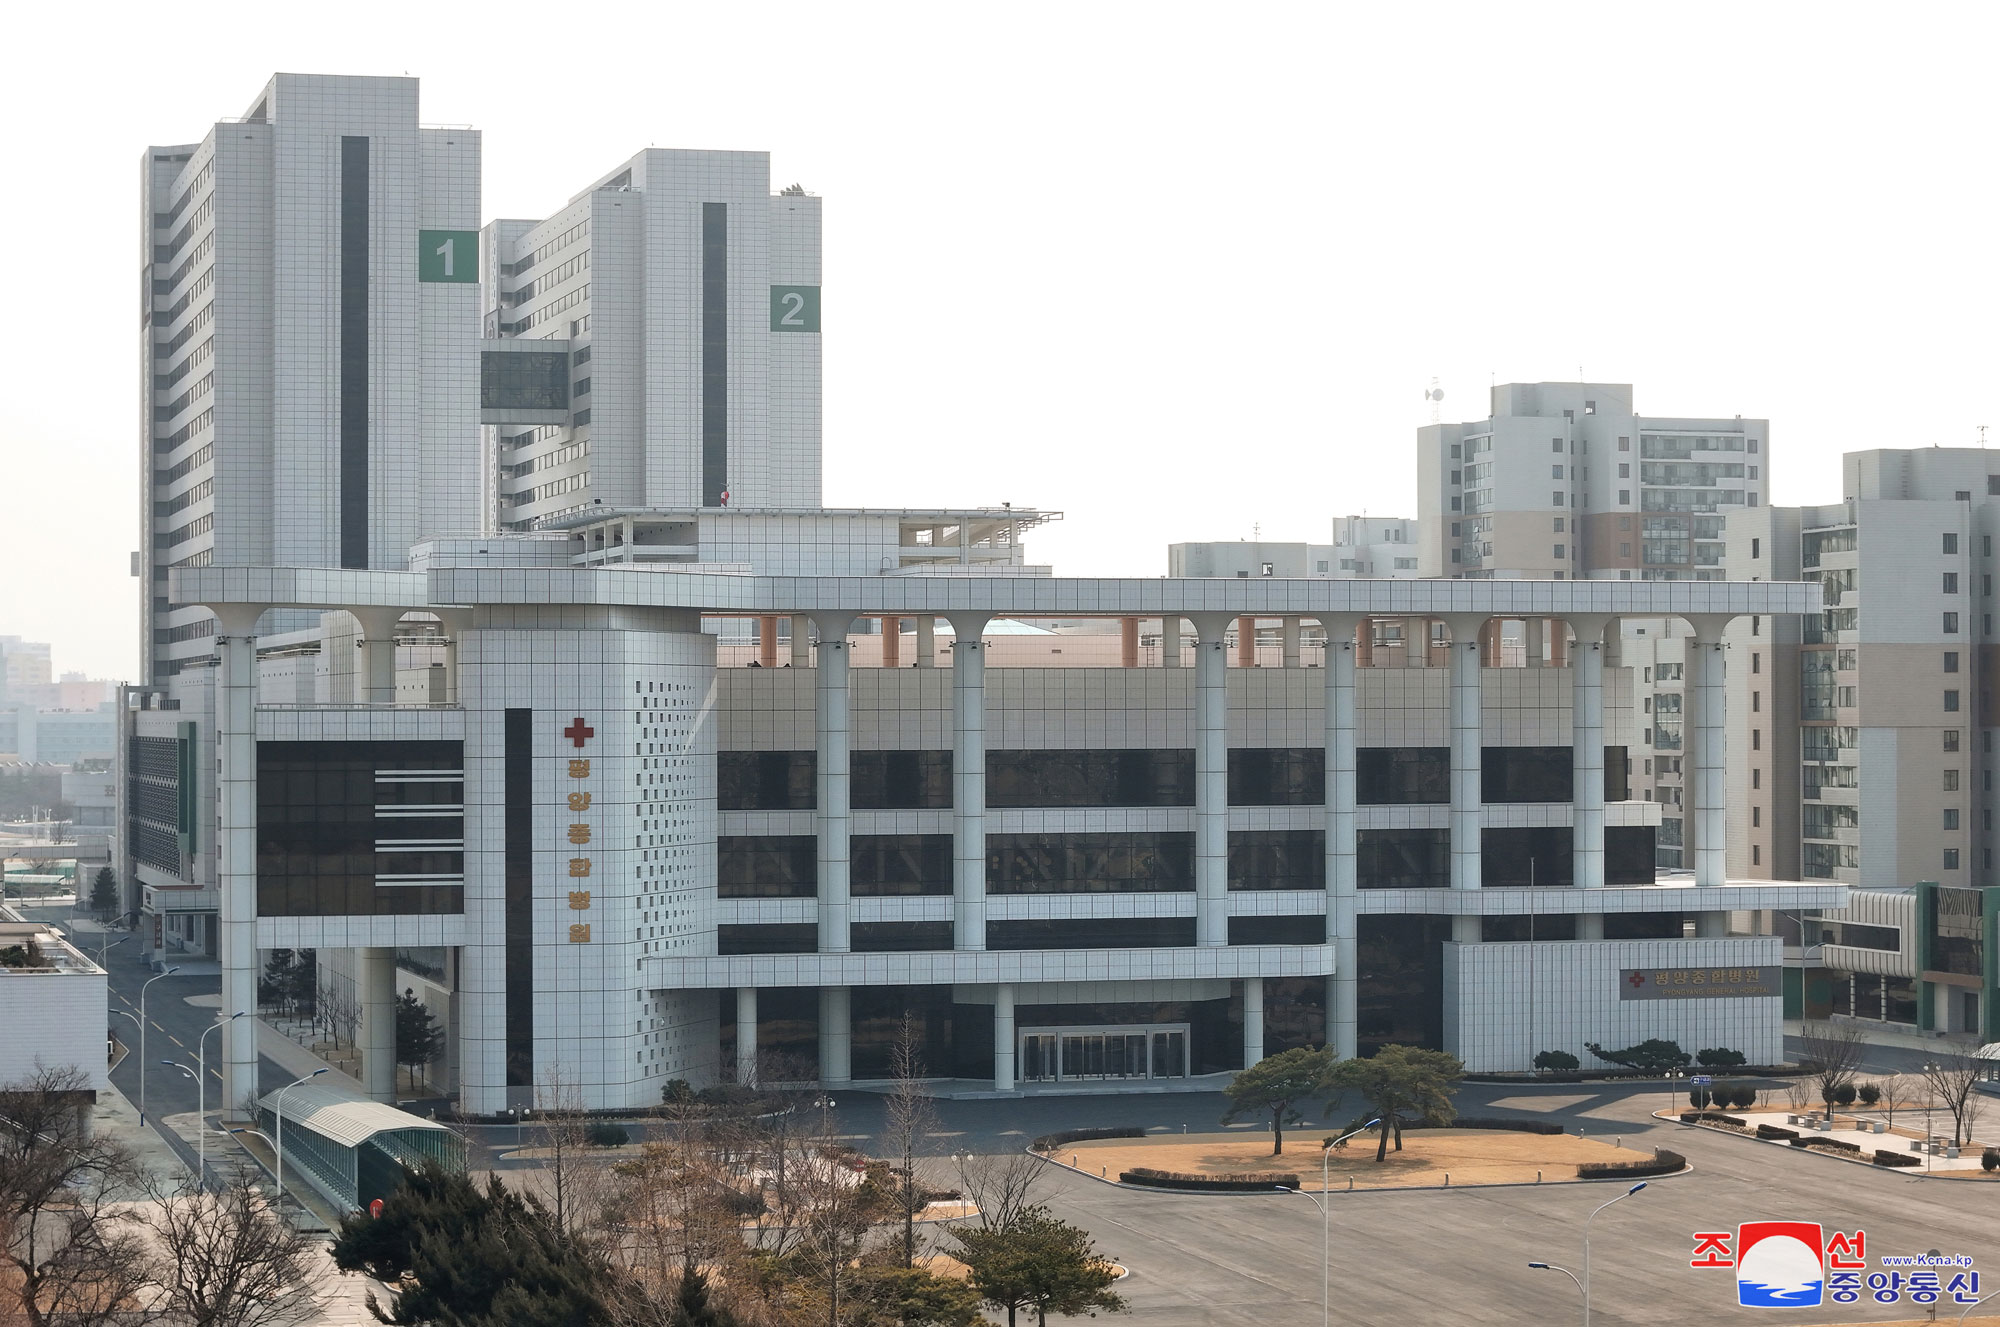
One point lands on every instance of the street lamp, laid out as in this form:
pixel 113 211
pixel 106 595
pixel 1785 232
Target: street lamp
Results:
pixel 142 1038
pixel 261 1134
pixel 1551 1267
pixel 200 1125
pixel 1586 1245
pixel 1673 1076
pixel 103 949
pixel 278 1147
pixel 1326 1219
pixel 201 1090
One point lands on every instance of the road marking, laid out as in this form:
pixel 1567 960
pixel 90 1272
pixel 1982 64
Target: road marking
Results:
pixel 171 1037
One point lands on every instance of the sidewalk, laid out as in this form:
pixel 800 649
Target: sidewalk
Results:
pixel 1882 1034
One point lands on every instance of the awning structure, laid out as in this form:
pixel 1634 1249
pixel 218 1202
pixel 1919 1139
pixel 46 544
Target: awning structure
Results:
pixel 353 1149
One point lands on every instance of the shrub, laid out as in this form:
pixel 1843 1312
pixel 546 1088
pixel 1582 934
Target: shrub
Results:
pixel 1870 1093
pixel 1487 1122
pixel 1831 1144
pixel 1049 1142
pixel 1251 1182
pixel 1557 1061
pixel 1743 1096
pixel 1664 1162
pixel 1652 1055
pixel 728 1094
pixel 608 1135
pixel 1887 1158
pixel 1772 1131
pixel 1844 1095
pixel 1989 1160
pixel 677 1090
pixel 1797 1141
pixel 1718 1057
pixel 1699 1097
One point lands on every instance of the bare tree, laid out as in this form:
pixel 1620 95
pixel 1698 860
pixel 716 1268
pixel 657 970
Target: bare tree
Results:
pixel 1001 1186
pixel 837 1208
pixel 68 1254
pixel 1797 1092
pixel 1832 1052
pixel 1894 1088
pixel 676 1214
pixel 231 1259
pixel 910 1120
pixel 578 1186
pixel 1953 1077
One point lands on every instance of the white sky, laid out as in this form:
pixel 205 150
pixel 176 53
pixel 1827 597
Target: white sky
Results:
pixel 1171 270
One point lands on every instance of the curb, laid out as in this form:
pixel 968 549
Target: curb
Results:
pixel 1688 1169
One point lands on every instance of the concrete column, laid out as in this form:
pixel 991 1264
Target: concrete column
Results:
pixel 1705 689
pixel 375 987
pixel 1364 646
pixel 1466 739
pixel 926 641
pixel 1586 681
pixel 1342 837
pixel 1711 925
pixel 454 625
pixel 1003 1038
pixel 831 719
pixel 236 865
pixel 892 642
pixel 836 1037
pixel 1128 642
pixel 1246 642
pixel 1534 634
pixel 767 641
pixel 1416 642
pixel 1558 647
pixel 1288 636
pixel 1170 642
pixel 378 653
pixel 1253 1020
pixel 746 1034
pixel 968 781
pixel 1590 926
pixel 1211 781
pixel 802 652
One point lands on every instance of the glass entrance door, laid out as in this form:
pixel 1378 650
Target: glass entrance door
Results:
pixel 1082 1054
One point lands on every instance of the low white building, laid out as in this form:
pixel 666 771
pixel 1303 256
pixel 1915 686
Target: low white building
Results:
pixel 52 1004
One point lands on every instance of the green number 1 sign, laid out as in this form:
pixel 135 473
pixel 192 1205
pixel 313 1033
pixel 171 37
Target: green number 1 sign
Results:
pixel 447 255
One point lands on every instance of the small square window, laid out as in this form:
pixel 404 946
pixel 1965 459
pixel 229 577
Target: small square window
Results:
pixel 1557 499
pixel 1624 550
pixel 1555 472
pixel 1454 529
pixel 1454 451
pixel 1454 504
pixel 1951 783
pixel 1951 859
pixel 1555 444
pixel 1950 584
pixel 1950 543
pixel 1951 624
pixel 1963 495
pixel 1993 486
pixel 1624 444
pixel 1951 702
pixel 1951 661
pixel 1951 739
pixel 1624 497
pixel 1951 817
pixel 1590 407
pixel 1624 469
pixel 1753 446
pixel 1242 575
pixel 1558 525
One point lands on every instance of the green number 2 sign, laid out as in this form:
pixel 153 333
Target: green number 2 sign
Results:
pixel 447 255
pixel 795 308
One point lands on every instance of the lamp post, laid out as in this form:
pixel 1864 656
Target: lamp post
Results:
pixel 1551 1267
pixel 261 1134
pixel 278 1147
pixel 142 1038
pixel 200 1126
pixel 1673 1076
pixel 201 1077
pixel 1586 1245
pixel 103 948
pixel 1326 1218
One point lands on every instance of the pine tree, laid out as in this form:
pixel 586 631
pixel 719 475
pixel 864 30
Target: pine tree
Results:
pixel 104 893
pixel 419 1040
pixel 693 1308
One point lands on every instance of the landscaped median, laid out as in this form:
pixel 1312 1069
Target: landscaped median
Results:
pixel 1430 1158
pixel 1863 1136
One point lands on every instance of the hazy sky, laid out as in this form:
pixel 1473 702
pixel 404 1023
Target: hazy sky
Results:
pixel 1173 271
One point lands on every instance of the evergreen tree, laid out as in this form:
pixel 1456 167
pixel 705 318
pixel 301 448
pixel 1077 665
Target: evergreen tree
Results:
pixel 1041 1264
pixel 419 1040
pixel 274 987
pixel 104 894
pixel 1274 1084
pixel 693 1308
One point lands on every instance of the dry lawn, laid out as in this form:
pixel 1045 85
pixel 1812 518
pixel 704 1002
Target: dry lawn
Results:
pixel 1468 1156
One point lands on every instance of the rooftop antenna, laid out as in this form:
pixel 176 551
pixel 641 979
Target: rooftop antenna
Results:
pixel 1434 394
pixel 1982 435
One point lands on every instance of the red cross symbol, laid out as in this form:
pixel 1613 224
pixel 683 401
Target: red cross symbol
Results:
pixel 1635 981
pixel 578 731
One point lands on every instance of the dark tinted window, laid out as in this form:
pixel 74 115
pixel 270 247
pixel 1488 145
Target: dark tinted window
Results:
pixel 1957 943
pixel 1278 930
pixel 322 851
pixel 767 866
pixel 1093 933
pixel 1088 863
pixel 1277 859
pixel 900 780
pixel 1560 926
pixel 1404 858
pixel 1401 775
pixel 898 937
pixel 881 864
pixel 1277 776
pixel 528 380
pixel 778 938
pixel 1401 962
pixel 1617 774
pixel 1525 774
pixel 1644 926
pixel 1090 778
pixel 1536 856
pixel 765 780
pixel 1628 855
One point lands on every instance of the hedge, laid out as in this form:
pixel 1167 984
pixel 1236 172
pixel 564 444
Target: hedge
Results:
pixel 1775 1131
pixel 1664 1162
pixel 1711 1116
pixel 1254 1182
pixel 1048 1142
pixel 1836 1144
pixel 1887 1158
pixel 1489 1122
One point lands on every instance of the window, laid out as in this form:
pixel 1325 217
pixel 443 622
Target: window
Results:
pixel 1756 778
pixel 1992 488
pixel 1756 817
pixel 1393 776
pixel 1089 778
pixel 1756 702
pixel 1559 525
pixel 1755 545
pixel 1624 444
pixel 1557 499
pixel 1951 817
pixel 1264 568
pixel 900 780
pixel 1454 476
pixel 1454 451
pixel 1590 407
pixel 1625 551
pixel 1753 472
pixel 1242 575
pixel 1950 583
pixel 1951 624
pixel 1277 776
pixel 1555 472
pixel 1951 702
pixel 1624 496
pixel 1756 855
pixel 1951 859
pixel 1963 495
pixel 1757 739
pixel 1951 661
pixel 1277 859
pixel 1951 739
pixel 1555 444
pixel 1526 774
pixel 1756 662
pixel 1951 780
pixel 1950 543
pixel 766 867
pixel 1089 863
pixel 1559 552
pixel 1454 504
